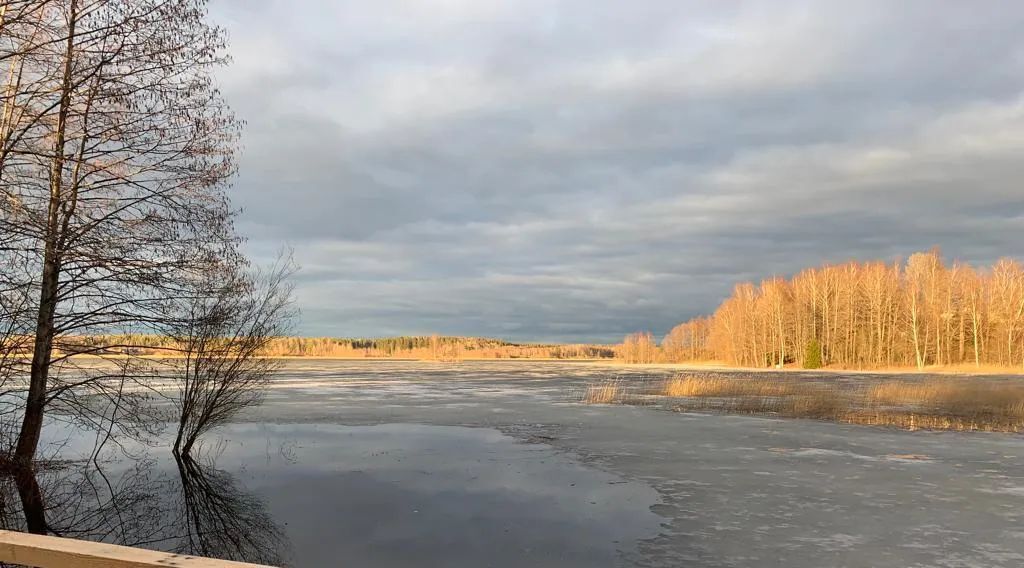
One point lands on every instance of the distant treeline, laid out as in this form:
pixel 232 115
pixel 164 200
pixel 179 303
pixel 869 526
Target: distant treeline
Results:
pixel 431 347
pixel 860 315
pixel 434 347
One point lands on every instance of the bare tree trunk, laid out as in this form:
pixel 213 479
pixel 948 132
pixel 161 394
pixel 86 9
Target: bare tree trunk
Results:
pixel 917 341
pixel 31 500
pixel 32 424
pixel 977 349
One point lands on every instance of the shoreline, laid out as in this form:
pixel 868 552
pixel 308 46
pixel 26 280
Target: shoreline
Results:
pixel 713 366
pixel 619 364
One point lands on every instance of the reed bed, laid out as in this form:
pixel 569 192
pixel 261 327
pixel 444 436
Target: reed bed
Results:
pixel 958 396
pixel 632 390
pixel 604 393
pixel 698 385
pixel 912 403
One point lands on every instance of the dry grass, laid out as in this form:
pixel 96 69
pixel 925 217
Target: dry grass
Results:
pixel 605 393
pixel 951 395
pixel 702 385
pixel 905 393
pixel 820 403
pixel 913 404
pixel 977 405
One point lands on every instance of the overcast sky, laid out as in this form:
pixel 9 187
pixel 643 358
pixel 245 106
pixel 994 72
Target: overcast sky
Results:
pixel 580 169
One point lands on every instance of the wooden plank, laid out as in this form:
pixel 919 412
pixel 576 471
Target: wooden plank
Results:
pixel 54 552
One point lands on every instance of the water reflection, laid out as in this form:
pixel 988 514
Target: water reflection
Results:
pixel 186 506
pixel 221 520
pixel 80 499
pixel 404 495
pixel 389 495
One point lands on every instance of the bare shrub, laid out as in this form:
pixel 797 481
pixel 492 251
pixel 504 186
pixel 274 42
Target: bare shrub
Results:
pixel 222 338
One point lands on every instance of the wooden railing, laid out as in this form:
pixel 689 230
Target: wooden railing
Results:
pixel 53 552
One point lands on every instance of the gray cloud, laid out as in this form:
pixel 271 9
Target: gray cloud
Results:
pixel 580 169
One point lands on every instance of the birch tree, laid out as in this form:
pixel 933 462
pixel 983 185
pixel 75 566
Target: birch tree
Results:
pixel 117 150
pixel 918 313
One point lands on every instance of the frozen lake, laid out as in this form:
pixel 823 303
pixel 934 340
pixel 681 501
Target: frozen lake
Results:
pixel 391 464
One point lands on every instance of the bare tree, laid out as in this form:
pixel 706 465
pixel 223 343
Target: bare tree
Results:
pixel 919 275
pixel 919 313
pixel 223 338
pixel 116 153
pixel 639 348
pixel 1007 299
pixel 688 341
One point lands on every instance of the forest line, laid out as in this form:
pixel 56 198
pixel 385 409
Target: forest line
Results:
pixel 419 347
pixel 920 313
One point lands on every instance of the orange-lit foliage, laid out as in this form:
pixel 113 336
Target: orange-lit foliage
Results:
pixel 639 348
pixel 919 313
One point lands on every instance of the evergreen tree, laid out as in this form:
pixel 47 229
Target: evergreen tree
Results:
pixel 812 357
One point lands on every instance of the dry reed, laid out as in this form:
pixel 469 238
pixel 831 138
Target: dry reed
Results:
pixel 913 404
pixel 605 393
pixel 701 385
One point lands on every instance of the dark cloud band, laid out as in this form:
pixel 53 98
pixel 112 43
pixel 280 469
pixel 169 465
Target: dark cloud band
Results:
pixel 577 170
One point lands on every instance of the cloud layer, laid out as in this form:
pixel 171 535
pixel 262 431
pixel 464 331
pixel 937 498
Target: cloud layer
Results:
pixel 579 169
